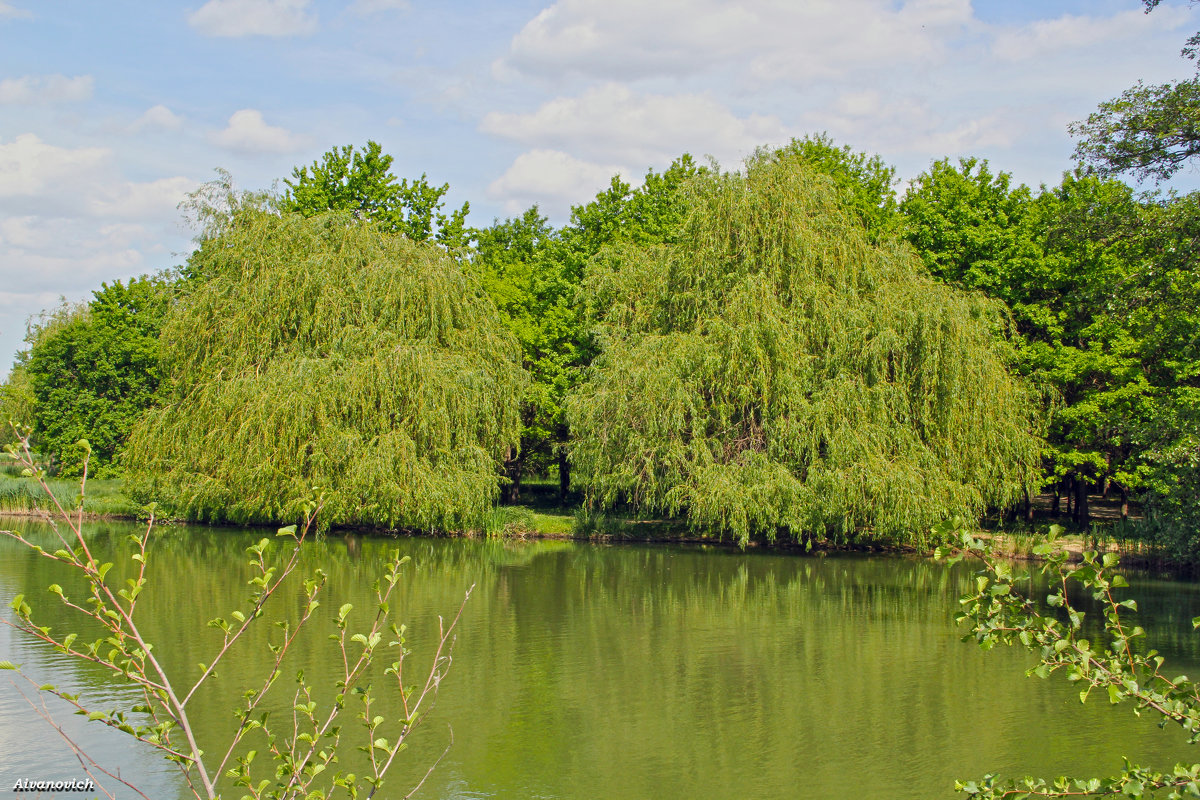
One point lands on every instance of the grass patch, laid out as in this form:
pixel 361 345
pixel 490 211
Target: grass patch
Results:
pixel 104 497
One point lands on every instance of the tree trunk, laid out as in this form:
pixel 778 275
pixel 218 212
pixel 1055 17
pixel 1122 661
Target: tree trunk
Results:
pixel 1028 506
pixel 1055 509
pixel 1081 502
pixel 512 470
pixel 1124 503
pixel 564 475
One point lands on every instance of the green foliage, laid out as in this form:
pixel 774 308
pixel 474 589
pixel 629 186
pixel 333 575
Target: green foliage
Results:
pixel 93 369
pixel 328 352
pixel 1116 665
pixel 1149 131
pixel 519 263
pixel 772 368
pixel 865 182
pixel 969 227
pixel 16 404
pixel 1060 261
pixel 360 182
pixel 533 274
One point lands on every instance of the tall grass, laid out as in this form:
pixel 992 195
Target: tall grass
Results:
pixel 104 497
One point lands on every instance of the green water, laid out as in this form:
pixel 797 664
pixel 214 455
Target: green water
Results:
pixel 627 671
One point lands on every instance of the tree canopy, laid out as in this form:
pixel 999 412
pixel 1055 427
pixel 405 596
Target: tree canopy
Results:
pixel 93 369
pixel 1150 131
pixel 361 182
pixel 327 352
pixel 774 369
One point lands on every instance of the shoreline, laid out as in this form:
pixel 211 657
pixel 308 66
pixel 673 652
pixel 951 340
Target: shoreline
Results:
pixel 1013 546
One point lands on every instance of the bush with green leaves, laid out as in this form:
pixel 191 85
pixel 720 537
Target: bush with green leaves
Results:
pixel 1118 665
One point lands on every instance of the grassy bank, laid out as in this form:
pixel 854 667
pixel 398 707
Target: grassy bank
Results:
pixel 104 498
pixel 541 515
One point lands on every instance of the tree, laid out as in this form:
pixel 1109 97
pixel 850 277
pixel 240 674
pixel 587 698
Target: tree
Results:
pixel 360 182
pixel 772 369
pixel 1161 305
pixel 1061 262
pixel 329 352
pixel 93 369
pixel 518 263
pixel 865 181
pixel 533 273
pixel 1149 131
pixel 16 404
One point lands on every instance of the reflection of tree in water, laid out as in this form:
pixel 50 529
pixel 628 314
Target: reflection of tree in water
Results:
pixel 638 669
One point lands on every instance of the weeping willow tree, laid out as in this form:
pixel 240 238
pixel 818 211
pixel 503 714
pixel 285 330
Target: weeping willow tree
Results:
pixel 327 353
pixel 776 371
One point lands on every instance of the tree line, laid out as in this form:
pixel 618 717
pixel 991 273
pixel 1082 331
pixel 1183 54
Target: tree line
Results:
pixel 789 349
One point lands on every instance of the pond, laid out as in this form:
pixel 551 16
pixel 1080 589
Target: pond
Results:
pixel 620 671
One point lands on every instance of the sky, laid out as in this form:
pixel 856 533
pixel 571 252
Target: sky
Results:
pixel 111 113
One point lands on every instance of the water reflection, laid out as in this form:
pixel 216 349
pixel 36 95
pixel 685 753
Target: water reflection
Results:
pixel 633 671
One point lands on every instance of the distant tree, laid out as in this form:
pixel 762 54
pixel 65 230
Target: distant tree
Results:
pixel 361 182
pixel 92 370
pixel 771 368
pixel 16 404
pixel 329 352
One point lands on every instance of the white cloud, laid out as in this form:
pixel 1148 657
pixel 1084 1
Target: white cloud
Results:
pixel 874 122
pixel 8 11
pixel 45 89
pixel 971 136
pixel 69 219
pixel 31 169
pixel 254 18
pixel 552 179
pixel 131 200
pixel 614 124
pixel 248 132
pixel 1051 37
pixel 158 117
pixel 41 180
pixel 365 7
pixel 765 39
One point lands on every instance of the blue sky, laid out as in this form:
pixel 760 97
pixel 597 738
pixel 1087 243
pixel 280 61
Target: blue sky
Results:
pixel 111 112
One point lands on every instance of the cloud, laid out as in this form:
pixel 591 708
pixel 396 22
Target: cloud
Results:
pixel 254 18
pixel 1051 37
pixel 8 11
pixel 70 219
pixel 248 132
pixel 551 178
pixel 761 39
pixel 158 117
pixel 38 179
pixel 366 7
pixel 45 89
pixel 612 123
pixel 30 169
pixel 129 200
